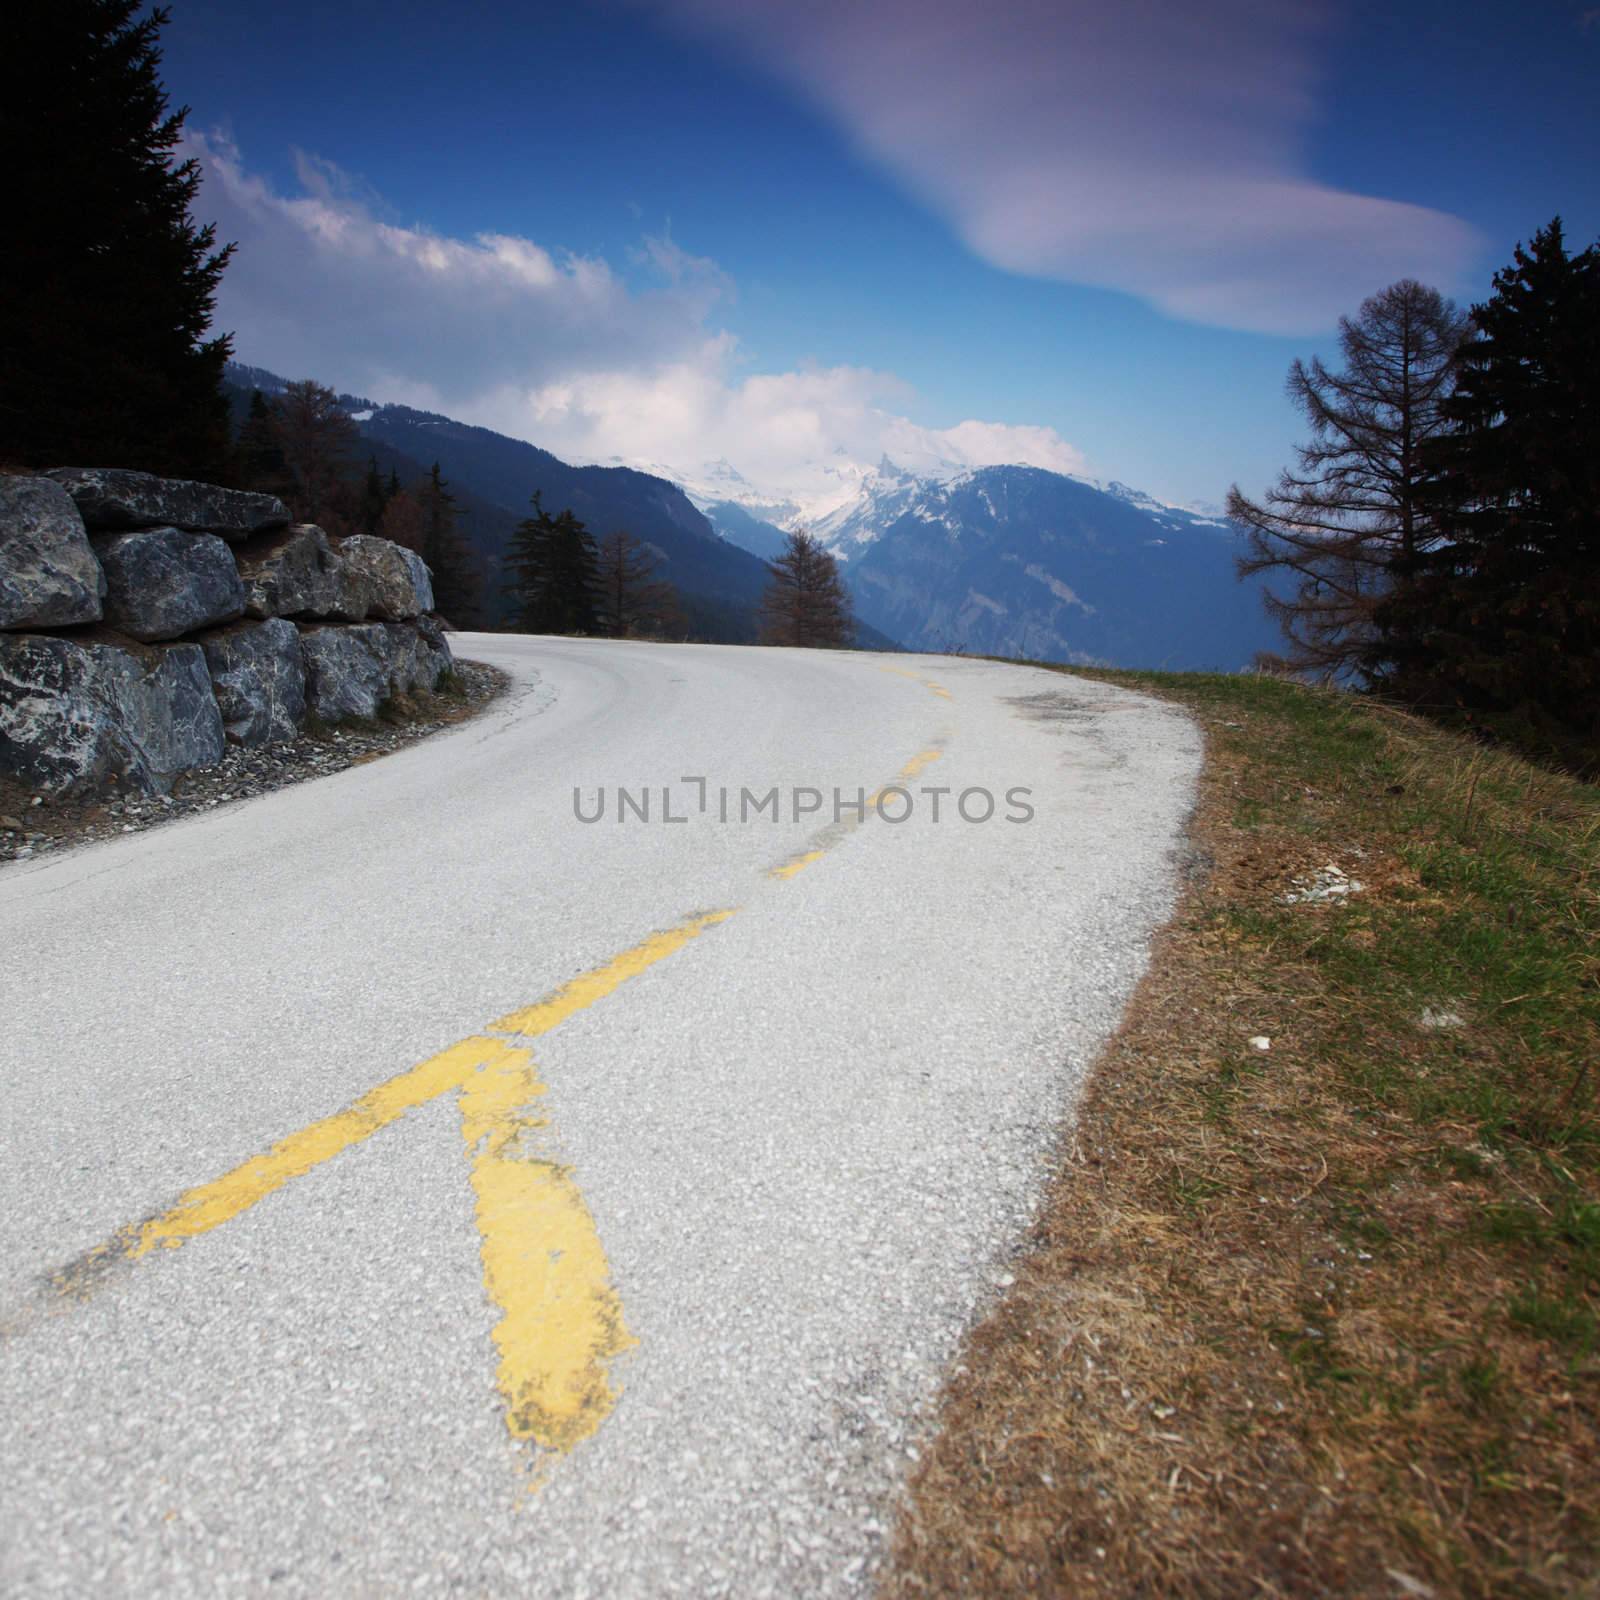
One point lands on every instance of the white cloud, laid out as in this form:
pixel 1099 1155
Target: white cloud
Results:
pixel 809 435
pixel 555 349
pixel 1152 146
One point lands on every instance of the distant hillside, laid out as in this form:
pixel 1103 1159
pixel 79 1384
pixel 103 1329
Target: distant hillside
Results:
pixel 495 478
pixel 739 525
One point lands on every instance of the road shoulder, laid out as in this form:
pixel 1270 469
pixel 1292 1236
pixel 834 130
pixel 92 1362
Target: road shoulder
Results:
pixel 1310 1305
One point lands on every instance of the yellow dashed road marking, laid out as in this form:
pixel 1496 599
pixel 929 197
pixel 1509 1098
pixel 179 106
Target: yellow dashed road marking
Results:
pixel 838 831
pixel 927 683
pixel 799 864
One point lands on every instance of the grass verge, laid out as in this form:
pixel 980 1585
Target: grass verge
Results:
pixel 1319 1318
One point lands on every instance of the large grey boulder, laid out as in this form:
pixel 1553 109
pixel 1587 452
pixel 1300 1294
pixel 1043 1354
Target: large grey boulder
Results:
pixel 348 671
pixel 259 678
pixel 111 498
pixel 397 578
pixel 161 583
pixel 353 598
pixel 49 577
pixel 296 572
pixel 76 716
pixel 418 655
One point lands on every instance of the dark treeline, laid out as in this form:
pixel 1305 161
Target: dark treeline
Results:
pixel 559 580
pixel 1441 536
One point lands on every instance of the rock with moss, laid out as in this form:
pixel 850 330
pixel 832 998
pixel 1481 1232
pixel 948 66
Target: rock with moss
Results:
pixel 419 657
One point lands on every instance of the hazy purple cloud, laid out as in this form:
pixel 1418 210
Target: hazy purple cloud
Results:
pixel 1150 146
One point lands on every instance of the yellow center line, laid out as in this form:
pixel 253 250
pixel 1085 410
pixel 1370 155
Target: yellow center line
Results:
pixel 584 990
pixel 561 1321
pixel 544 1267
pixel 799 864
pixel 837 832
pixel 543 1264
pixel 212 1204
pixel 927 683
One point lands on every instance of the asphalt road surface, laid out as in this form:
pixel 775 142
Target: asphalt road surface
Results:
pixel 409 1185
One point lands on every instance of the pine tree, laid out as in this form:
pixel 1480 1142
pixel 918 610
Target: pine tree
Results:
pixel 552 574
pixel 1341 527
pixel 1500 626
pixel 374 498
pixel 106 285
pixel 317 438
pixel 629 599
pixel 457 589
pixel 806 602
pixel 258 454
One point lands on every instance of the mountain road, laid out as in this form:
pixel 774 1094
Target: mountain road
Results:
pixel 563 1156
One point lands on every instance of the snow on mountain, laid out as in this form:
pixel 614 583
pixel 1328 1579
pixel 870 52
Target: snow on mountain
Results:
pixel 1013 560
pixel 1020 561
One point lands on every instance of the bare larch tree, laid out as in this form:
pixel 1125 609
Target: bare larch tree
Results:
pixel 806 602
pixel 1339 526
pixel 317 439
pixel 629 599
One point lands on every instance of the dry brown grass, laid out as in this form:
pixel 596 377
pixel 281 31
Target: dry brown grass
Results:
pixel 1317 1320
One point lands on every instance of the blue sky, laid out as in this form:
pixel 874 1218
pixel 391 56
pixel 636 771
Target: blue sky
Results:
pixel 788 233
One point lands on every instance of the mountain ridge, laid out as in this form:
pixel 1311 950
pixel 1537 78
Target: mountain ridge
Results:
pixel 1022 561
pixel 719 584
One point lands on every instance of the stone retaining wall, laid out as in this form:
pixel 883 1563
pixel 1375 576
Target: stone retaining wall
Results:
pixel 145 622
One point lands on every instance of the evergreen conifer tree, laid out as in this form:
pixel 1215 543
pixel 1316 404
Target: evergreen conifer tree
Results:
pixel 1339 529
pixel 106 285
pixel 373 498
pixel 456 586
pixel 317 438
pixel 1500 625
pixel 552 574
pixel 258 454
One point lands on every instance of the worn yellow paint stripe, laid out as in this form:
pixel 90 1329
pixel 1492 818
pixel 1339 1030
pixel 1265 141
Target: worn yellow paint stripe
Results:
pixel 201 1209
pixel 561 1321
pixel 799 864
pixel 927 683
pixel 212 1204
pixel 920 762
pixel 915 767
pixel 583 991
pixel 840 830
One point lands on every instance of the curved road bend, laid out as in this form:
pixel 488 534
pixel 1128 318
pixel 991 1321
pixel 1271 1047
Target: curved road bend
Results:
pixel 408 1185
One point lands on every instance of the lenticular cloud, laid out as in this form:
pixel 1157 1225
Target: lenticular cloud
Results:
pixel 1151 146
